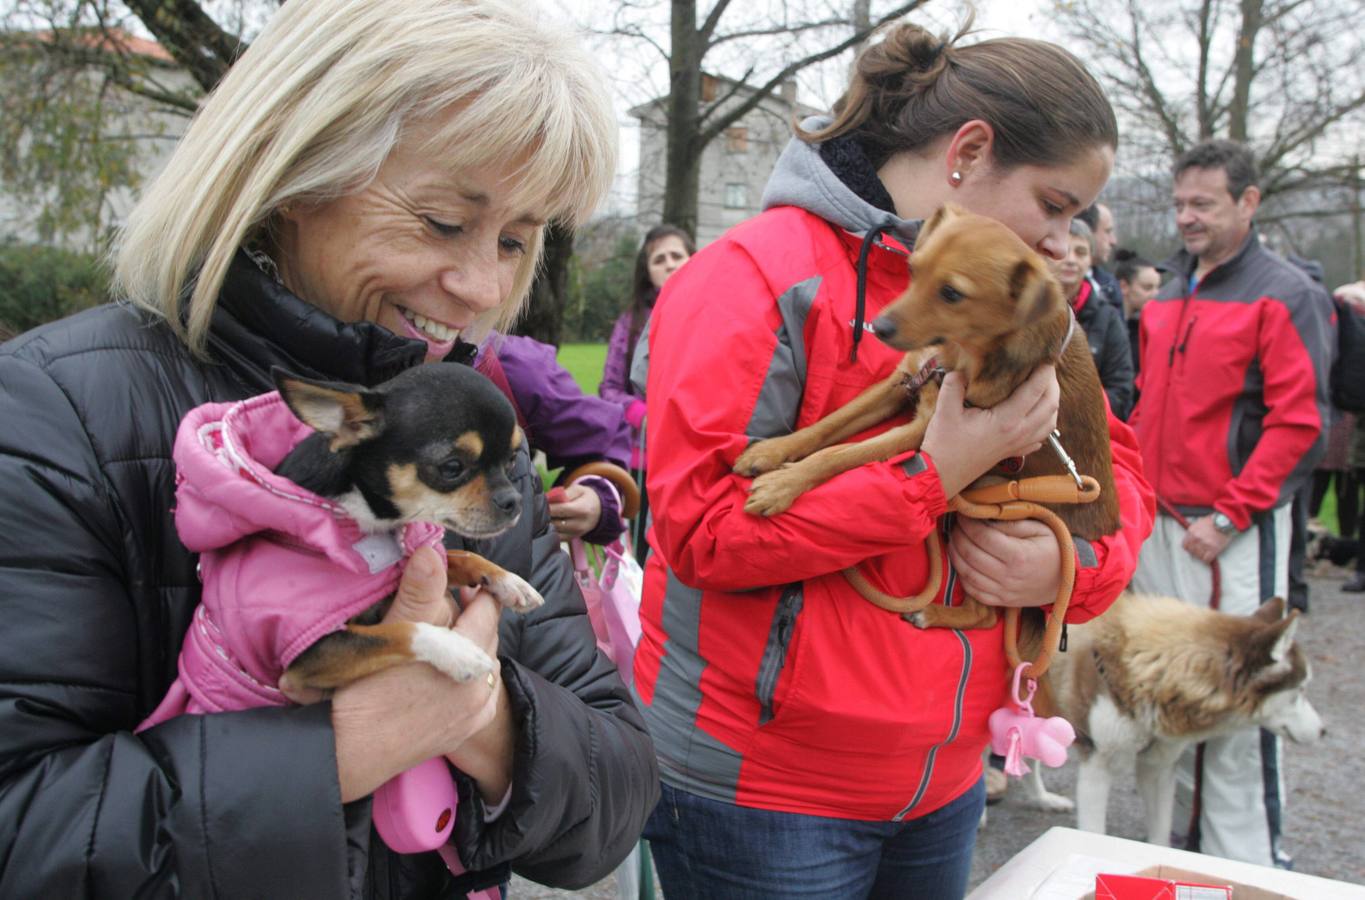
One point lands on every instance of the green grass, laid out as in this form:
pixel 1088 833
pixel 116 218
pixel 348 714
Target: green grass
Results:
pixel 1327 513
pixel 584 362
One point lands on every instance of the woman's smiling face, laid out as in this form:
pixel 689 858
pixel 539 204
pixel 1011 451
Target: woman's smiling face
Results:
pixel 421 251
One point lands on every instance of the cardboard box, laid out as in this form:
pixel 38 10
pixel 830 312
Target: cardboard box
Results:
pixel 1063 863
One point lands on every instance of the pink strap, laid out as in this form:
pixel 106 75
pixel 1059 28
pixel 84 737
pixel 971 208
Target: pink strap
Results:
pixel 452 860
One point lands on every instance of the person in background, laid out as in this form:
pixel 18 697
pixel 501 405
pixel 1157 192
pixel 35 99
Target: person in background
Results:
pixel 664 249
pixel 1100 220
pixel 1336 431
pixel 1233 398
pixel 571 428
pixel 1139 279
pixel 364 192
pixel 1102 323
pixel 813 744
pixel 1353 295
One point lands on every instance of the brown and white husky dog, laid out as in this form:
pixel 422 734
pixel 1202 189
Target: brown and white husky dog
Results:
pixel 1154 675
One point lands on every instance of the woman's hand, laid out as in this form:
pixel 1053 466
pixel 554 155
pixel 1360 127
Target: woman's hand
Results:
pixel 577 513
pixel 1014 563
pixel 965 442
pixel 388 722
pixel 486 756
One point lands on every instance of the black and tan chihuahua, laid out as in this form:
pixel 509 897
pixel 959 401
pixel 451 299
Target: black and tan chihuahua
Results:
pixel 435 444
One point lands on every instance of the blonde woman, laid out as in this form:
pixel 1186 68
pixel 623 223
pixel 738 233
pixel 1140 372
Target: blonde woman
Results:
pixel 364 192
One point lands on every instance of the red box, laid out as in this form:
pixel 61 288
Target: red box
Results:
pixel 1140 887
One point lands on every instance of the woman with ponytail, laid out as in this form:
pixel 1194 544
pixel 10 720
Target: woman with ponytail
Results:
pixel 810 743
pixel 664 249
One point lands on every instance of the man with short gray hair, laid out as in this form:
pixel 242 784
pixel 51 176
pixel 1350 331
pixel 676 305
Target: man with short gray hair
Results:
pixel 1233 397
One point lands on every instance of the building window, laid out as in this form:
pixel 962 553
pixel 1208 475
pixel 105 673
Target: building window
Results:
pixel 736 196
pixel 708 89
pixel 737 139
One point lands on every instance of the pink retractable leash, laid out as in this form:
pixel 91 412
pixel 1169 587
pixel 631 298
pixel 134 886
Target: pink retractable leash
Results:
pixel 414 812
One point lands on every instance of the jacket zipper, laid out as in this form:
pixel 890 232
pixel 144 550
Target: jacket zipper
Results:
pixel 775 651
pixel 1169 409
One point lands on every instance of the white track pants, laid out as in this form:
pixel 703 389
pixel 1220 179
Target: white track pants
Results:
pixel 1242 791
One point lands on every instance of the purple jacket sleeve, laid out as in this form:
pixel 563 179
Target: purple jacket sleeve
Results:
pixel 569 426
pixel 615 385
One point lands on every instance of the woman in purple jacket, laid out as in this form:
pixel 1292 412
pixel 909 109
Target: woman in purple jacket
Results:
pixel 571 428
pixel 664 250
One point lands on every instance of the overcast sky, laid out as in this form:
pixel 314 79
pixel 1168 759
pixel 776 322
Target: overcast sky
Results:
pixel 639 74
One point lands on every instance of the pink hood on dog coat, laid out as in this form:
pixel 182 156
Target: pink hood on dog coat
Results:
pixel 281 566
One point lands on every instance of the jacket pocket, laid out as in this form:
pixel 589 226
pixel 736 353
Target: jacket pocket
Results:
pixel 775 649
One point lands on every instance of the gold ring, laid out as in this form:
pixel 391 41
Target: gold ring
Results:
pixel 492 682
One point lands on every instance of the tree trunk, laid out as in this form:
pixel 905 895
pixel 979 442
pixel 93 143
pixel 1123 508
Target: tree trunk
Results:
pixel 1203 102
pixel 1244 69
pixel 549 292
pixel 683 158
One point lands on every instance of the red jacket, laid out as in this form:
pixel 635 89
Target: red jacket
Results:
pixel 1233 384
pixel 767 681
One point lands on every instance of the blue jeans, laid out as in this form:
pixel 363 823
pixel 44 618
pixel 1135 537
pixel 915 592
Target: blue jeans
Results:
pixel 708 849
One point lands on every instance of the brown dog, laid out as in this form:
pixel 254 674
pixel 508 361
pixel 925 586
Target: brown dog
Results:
pixel 983 303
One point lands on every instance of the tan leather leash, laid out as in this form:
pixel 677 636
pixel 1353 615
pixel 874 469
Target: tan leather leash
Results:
pixel 1007 501
pixel 619 478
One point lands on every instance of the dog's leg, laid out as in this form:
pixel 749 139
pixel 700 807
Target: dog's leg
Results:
pixel 1036 794
pixel 873 405
pixel 345 656
pixel 969 614
pixel 1156 786
pixel 472 570
pixel 775 491
pixel 1092 791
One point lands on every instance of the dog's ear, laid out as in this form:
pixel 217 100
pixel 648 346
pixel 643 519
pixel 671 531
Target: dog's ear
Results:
pixel 1270 611
pixel 1279 637
pixel 347 412
pixel 1032 289
pixel 945 213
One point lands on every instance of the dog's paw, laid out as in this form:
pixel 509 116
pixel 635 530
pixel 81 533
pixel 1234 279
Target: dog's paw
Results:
pixel 513 592
pixel 772 493
pixel 1050 802
pixel 450 652
pixel 762 456
pixel 293 686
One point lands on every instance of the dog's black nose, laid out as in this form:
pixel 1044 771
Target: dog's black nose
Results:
pixel 883 327
pixel 507 501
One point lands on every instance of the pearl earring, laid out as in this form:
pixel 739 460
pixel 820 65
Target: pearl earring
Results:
pixel 955 178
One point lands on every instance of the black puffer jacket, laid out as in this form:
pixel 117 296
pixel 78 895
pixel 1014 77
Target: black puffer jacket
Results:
pixel 96 593
pixel 1108 339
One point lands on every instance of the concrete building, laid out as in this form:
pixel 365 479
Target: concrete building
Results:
pixel 140 131
pixel 734 167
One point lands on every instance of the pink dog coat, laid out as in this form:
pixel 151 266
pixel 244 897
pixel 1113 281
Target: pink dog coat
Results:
pixel 281 566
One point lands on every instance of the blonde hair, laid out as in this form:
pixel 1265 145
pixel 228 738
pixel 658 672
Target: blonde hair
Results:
pixel 313 108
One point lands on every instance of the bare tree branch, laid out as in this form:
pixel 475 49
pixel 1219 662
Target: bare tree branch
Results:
pixel 191 37
pixel 708 28
pixel 718 125
pixel 776 30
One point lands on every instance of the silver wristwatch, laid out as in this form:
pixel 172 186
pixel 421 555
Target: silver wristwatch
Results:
pixel 1223 524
